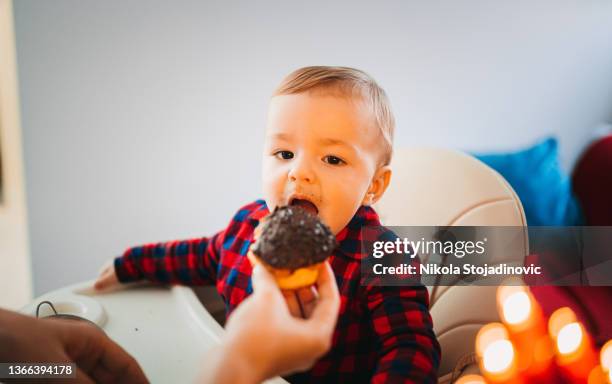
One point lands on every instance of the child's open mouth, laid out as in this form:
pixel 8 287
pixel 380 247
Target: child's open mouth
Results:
pixel 306 205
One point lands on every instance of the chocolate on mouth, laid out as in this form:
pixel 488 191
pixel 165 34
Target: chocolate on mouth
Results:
pixel 306 205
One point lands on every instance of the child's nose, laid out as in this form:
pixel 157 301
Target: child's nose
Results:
pixel 302 171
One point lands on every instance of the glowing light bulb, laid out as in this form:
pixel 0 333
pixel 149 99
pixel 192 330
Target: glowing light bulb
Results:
pixel 516 308
pixel 569 338
pixel 488 334
pixel 471 379
pixel 576 355
pixel 498 356
pixel 605 356
pixel 559 319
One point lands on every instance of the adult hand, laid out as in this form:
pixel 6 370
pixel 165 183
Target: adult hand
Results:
pixel 24 339
pixel 263 339
pixel 302 302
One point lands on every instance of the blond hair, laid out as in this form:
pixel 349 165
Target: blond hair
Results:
pixel 346 82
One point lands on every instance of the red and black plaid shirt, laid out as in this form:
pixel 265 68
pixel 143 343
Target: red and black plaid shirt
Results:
pixel 383 334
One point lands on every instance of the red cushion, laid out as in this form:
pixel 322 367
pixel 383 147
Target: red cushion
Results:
pixel 592 181
pixel 591 305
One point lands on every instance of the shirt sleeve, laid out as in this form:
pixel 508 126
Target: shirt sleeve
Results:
pixel 189 262
pixel 408 349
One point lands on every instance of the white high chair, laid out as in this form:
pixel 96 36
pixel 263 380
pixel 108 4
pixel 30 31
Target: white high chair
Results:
pixel 438 187
pixel 168 330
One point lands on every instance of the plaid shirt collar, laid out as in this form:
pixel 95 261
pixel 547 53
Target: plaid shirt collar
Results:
pixel 365 216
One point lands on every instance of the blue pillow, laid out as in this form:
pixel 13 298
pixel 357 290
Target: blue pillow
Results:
pixel 537 179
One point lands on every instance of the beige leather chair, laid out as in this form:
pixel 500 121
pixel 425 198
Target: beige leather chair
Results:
pixel 432 187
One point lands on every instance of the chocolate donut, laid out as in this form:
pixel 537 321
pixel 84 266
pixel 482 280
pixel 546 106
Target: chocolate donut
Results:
pixel 292 238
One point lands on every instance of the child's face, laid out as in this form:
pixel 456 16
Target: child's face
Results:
pixel 324 150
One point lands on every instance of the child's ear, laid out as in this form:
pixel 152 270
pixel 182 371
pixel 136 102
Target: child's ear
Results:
pixel 378 186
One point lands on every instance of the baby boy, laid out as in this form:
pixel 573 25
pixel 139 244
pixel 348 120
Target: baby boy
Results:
pixel 328 146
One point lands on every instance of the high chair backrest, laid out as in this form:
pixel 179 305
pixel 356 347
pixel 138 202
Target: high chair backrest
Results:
pixel 437 187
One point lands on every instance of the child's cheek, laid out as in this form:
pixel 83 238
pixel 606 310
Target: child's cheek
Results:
pixel 273 186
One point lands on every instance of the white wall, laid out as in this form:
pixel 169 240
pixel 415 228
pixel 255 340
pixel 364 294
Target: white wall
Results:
pixel 15 271
pixel 143 119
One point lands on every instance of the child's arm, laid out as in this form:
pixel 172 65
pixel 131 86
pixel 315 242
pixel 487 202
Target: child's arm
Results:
pixel 409 351
pixel 189 262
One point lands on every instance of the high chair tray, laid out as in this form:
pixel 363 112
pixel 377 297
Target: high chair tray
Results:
pixel 167 329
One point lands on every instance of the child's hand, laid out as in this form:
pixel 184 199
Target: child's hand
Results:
pixel 107 279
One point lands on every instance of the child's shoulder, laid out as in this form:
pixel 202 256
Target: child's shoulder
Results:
pixel 251 211
pixel 242 225
pixel 366 225
pixel 358 237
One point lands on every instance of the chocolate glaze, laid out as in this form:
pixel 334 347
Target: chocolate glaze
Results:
pixel 292 238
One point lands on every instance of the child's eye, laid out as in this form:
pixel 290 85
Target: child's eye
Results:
pixel 333 160
pixel 285 155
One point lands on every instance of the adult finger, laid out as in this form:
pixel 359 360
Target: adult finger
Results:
pixel 81 377
pixel 262 280
pixel 293 304
pixel 307 294
pixel 325 313
pixel 308 298
pixel 116 362
pixel 97 354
